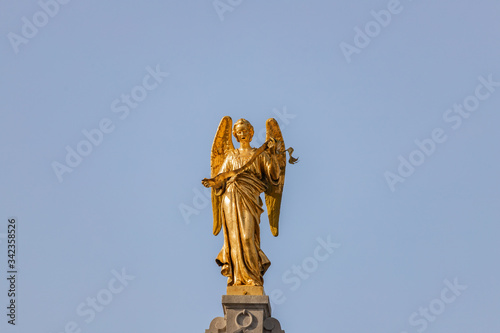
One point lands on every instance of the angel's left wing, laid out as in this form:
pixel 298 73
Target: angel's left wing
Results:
pixel 222 145
pixel 274 192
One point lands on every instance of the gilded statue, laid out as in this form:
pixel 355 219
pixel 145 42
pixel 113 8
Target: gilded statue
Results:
pixel 239 176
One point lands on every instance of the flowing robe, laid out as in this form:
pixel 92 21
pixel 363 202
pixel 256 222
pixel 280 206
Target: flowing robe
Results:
pixel 241 258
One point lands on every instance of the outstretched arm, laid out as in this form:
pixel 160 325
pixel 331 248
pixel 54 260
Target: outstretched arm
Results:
pixel 219 180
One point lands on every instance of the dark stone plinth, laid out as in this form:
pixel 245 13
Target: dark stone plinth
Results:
pixel 245 314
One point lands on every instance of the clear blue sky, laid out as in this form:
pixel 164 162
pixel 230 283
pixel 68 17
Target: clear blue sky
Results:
pixel 107 115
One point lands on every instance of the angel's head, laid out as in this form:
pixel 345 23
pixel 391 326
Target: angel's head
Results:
pixel 243 130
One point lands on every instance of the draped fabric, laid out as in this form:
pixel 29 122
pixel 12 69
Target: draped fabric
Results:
pixel 241 258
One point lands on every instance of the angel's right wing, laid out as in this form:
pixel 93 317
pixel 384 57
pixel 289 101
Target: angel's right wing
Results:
pixel 275 192
pixel 223 144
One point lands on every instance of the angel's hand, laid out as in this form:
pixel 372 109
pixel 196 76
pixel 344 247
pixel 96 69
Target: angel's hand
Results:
pixel 208 182
pixel 271 144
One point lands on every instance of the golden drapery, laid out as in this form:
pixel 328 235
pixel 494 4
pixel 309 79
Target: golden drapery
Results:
pixel 241 258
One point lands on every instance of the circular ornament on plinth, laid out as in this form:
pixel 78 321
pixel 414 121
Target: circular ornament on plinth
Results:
pixel 244 319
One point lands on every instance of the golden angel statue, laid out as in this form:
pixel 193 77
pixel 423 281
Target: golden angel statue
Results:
pixel 239 176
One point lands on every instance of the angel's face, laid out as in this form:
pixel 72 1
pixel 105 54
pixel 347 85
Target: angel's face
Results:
pixel 243 133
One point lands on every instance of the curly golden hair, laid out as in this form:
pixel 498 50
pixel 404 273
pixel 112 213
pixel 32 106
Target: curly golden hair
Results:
pixel 243 122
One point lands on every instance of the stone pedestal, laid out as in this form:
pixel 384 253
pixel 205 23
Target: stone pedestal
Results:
pixel 245 314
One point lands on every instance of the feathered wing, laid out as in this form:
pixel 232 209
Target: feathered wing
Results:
pixel 222 145
pixel 274 192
